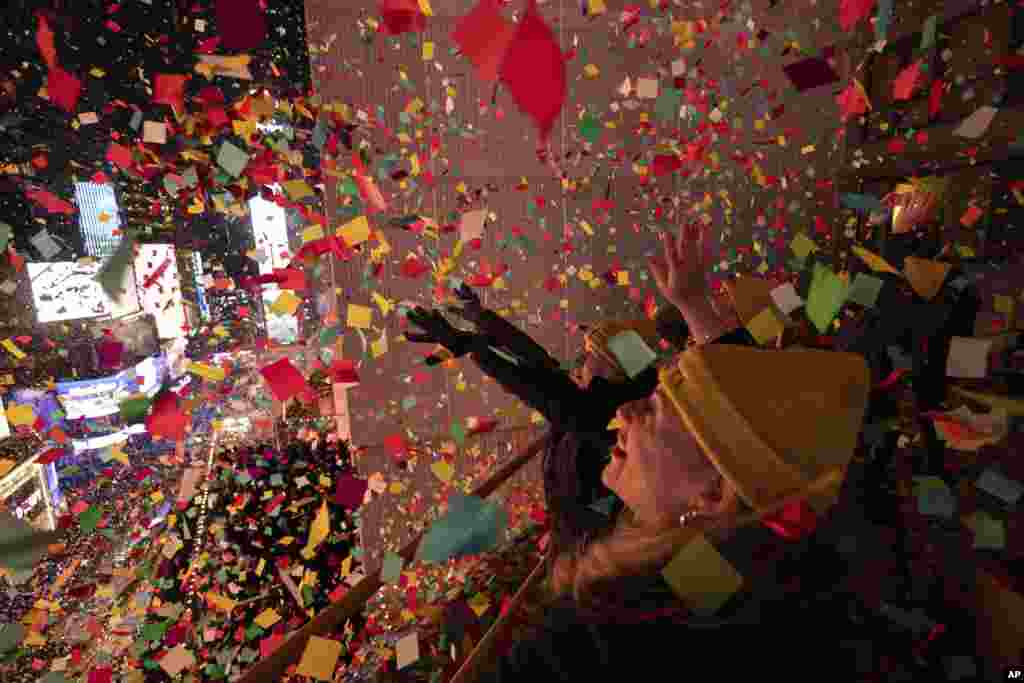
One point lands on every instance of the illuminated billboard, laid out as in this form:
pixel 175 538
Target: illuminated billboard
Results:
pixel 99 218
pixel 270 228
pixel 30 491
pixel 92 398
pixel 69 290
pixel 159 288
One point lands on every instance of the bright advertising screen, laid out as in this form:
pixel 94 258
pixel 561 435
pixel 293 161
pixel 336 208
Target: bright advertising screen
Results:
pixel 159 287
pixel 92 398
pixel 69 290
pixel 270 228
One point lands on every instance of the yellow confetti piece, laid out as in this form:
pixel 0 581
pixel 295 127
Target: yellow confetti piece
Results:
pixel 623 277
pixel 479 603
pixel 355 231
pixel 874 261
pixel 244 129
pixel 591 71
pixel 220 602
pixel 19 415
pixel 428 51
pixel 383 303
pixel 313 232
pixel 286 304
pixel 320 528
pixel 701 577
pixel 360 317
pixel 442 470
pixel 379 347
pixel 802 245
pixel 267 618
pixel 297 190
pixel 34 639
pixel 587 228
pixel 13 349
pixel 765 326
pixel 210 372
pixel 759 176
pixel 119 455
pixel 426 8
pixel 1003 304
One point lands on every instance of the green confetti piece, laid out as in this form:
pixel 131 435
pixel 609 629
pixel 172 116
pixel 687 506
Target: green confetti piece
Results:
pixel 11 635
pixel 6 232
pixel 865 289
pixel 153 631
pixel 589 128
pixel 232 159
pixel 666 107
pixel 134 410
pixel 458 433
pixel 391 571
pixel 826 296
pixel 89 519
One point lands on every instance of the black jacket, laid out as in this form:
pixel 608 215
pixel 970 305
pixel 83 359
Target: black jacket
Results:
pixel 579 441
pixel 768 629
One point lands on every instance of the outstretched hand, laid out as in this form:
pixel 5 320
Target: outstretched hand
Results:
pixel 471 307
pixel 680 271
pixel 467 295
pixel 436 330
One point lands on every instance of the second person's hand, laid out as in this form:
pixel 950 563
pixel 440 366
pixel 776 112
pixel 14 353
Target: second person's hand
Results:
pixel 680 272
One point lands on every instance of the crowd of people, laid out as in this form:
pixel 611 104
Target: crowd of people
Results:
pixel 264 536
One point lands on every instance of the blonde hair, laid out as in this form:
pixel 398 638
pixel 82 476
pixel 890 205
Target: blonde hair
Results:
pixel 599 575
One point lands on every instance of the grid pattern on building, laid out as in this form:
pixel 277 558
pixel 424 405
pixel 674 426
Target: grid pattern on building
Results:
pixel 99 219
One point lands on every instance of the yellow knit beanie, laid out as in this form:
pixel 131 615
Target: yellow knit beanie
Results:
pixel 772 422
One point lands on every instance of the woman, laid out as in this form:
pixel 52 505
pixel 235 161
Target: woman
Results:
pixel 731 436
pixel 579 406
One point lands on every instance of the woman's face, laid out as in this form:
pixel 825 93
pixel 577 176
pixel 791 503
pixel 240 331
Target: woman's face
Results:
pixel 663 467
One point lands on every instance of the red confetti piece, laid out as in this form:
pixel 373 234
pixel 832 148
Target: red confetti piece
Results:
pixel 535 51
pixel 903 86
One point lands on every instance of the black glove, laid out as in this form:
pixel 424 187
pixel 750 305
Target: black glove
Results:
pixel 437 330
pixel 471 309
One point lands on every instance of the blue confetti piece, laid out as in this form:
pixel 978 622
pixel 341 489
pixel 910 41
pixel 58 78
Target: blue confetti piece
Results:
pixel 470 527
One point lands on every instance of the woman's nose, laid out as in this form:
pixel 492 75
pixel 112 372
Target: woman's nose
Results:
pixel 632 410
